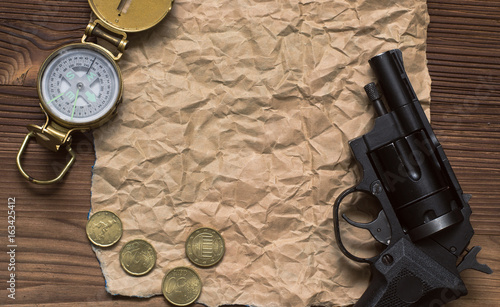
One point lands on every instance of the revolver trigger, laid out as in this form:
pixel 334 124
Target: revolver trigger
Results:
pixel 470 262
pixel 379 228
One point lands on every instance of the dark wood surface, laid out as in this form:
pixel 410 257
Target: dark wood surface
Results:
pixel 54 260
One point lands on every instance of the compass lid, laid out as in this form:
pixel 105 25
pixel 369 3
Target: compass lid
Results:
pixel 131 15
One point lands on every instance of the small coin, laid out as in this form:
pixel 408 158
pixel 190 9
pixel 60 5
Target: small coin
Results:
pixel 104 228
pixel 181 286
pixel 205 247
pixel 137 257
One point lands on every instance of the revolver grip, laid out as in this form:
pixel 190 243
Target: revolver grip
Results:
pixel 404 276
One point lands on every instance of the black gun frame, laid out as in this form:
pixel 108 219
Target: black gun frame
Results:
pixel 424 219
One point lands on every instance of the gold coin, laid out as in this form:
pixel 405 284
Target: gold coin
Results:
pixel 137 257
pixel 205 247
pixel 181 286
pixel 104 228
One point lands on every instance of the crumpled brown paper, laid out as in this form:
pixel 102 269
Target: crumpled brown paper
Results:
pixel 236 115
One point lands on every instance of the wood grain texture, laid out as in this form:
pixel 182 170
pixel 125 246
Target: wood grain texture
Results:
pixel 54 260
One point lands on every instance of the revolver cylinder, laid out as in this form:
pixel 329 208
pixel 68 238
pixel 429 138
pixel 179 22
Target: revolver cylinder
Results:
pixel 408 165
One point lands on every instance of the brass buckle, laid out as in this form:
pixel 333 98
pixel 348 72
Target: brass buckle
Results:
pixel 50 139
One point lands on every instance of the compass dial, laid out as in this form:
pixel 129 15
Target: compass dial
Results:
pixel 79 84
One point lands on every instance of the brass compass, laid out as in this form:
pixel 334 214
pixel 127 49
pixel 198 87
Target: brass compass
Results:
pixel 80 85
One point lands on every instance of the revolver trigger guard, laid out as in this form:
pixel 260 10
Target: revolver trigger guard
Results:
pixel 336 227
pixel 379 228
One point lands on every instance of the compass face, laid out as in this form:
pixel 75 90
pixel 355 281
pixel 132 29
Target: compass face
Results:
pixel 79 85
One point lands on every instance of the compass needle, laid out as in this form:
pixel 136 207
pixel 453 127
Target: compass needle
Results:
pixel 55 97
pixel 74 103
pixel 90 66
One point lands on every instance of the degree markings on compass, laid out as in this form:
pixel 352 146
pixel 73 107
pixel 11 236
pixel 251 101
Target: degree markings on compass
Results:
pixel 80 84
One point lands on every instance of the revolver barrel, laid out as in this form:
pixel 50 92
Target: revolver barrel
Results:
pixel 391 75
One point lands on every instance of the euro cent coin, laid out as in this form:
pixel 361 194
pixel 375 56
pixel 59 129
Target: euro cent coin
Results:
pixel 205 247
pixel 104 228
pixel 181 286
pixel 137 257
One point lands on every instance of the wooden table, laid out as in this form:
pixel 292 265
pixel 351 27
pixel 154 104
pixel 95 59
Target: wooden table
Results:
pixel 54 260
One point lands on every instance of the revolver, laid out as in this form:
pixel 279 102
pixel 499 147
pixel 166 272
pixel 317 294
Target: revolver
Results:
pixel 424 222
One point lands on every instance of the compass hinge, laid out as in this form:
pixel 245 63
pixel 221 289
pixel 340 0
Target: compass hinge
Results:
pixel 116 38
pixel 51 136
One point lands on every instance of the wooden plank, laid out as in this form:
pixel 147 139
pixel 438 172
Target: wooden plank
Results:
pixel 463 39
pixel 55 261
